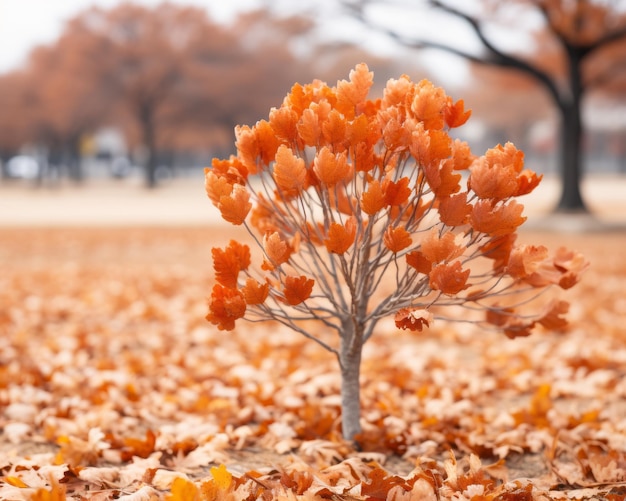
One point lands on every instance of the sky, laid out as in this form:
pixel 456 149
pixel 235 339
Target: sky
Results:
pixel 25 24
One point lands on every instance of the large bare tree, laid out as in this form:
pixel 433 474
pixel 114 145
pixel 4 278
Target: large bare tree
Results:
pixel 583 34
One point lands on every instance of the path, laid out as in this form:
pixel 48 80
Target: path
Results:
pixel 183 202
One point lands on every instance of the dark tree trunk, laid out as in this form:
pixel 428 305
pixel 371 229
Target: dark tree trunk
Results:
pixel 74 160
pixel 570 160
pixel 571 138
pixel 149 141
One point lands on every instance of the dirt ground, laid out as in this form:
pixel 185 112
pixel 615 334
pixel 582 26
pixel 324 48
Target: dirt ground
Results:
pixel 183 202
pixel 113 386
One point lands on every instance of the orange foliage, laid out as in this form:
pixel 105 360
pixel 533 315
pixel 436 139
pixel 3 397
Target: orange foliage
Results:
pixel 340 237
pixel 226 306
pixel 297 289
pixel 349 185
pixel 397 239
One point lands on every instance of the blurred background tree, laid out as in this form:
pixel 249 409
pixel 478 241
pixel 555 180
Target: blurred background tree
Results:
pixel 162 87
pixel 170 79
pixel 568 47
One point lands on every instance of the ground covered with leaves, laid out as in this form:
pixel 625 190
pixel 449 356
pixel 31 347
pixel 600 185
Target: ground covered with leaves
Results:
pixel 114 386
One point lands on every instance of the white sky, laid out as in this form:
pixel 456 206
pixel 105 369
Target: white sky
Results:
pixel 25 24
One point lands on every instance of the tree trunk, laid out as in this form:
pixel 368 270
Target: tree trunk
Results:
pixel 570 159
pixel 73 159
pixel 350 362
pixel 146 118
pixel 571 138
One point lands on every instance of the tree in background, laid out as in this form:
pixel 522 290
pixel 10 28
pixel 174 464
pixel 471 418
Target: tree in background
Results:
pixel 169 77
pixel 156 57
pixel 588 36
pixel 358 210
pixel 14 119
pixel 63 93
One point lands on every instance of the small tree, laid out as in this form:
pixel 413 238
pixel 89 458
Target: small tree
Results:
pixel 342 193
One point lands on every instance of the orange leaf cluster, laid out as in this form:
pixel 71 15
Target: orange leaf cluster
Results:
pixel 345 185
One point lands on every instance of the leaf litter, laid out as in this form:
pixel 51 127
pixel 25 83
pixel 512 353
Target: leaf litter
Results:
pixel 113 386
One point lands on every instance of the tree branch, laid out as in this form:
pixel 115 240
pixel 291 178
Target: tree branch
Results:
pixel 498 58
pixel 495 56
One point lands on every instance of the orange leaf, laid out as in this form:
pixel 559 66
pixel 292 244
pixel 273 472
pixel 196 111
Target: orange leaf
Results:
pixel 267 141
pixel 429 104
pixel 225 306
pixel 247 147
pixel 397 91
pixel 413 319
pixel 571 264
pixel 235 207
pixel 334 130
pixel 417 260
pixel 380 484
pixel 365 157
pixel 341 237
pixel 229 262
pixel 527 182
pixel 526 260
pixel 396 135
pixel 552 318
pixel 455 114
pixel 440 146
pixel 284 123
pixel 330 168
pixel 499 249
pixel 289 170
pixel 359 131
pixel 298 99
pixel 255 292
pixel 506 155
pixel 461 155
pixel 216 186
pixel 442 179
pixel 506 319
pixel 396 193
pixel 309 128
pixel 297 289
pixel 496 220
pixel 454 210
pixel 351 94
pixel 397 239
pixel 498 182
pixel 373 199
pixel 139 447
pixel 436 248
pixel 277 250
pixel 449 278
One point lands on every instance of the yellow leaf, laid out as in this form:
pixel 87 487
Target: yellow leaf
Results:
pixel 183 490
pixel 222 476
pixel 15 482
